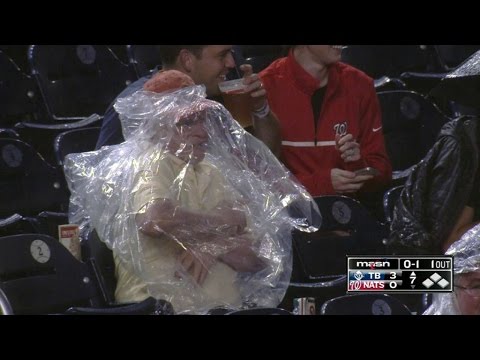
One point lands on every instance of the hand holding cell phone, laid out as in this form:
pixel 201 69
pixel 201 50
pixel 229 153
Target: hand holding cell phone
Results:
pixel 367 171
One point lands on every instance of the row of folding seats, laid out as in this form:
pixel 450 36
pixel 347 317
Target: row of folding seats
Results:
pixel 419 68
pixel 318 272
pixel 77 80
pixel 29 184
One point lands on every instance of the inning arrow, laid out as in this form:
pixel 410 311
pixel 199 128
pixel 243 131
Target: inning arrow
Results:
pixel 412 277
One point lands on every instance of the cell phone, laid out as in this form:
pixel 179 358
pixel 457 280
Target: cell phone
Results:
pixel 367 171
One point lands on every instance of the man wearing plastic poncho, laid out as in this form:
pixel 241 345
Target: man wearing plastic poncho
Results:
pixel 465 300
pixel 193 207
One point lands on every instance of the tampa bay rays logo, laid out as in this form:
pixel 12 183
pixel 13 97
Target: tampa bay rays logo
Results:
pixel 340 128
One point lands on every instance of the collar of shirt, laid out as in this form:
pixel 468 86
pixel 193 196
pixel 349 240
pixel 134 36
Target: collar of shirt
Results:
pixel 306 82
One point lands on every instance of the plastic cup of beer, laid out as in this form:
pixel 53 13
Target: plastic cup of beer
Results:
pixel 237 101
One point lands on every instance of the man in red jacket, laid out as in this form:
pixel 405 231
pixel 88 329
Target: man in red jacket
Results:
pixel 330 121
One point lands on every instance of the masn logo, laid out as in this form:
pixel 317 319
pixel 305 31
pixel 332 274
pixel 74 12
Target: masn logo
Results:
pixel 373 264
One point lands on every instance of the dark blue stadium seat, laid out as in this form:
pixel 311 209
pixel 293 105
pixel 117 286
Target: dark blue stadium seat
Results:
pixel 19 54
pixel 78 80
pixel 120 52
pixel 28 183
pixel 18 94
pixel 18 224
pixel 259 56
pixel 100 258
pixel 389 60
pixel 319 258
pixel 144 58
pixel 42 136
pixel 364 304
pixel 450 56
pixel 8 133
pixel 347 229
pixel 411 124
pixel 75 141
pixel 48 222
pixel 38 275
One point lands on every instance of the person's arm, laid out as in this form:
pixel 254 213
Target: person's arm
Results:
pixel 463 224
pixel 372 143
pixel 163 217
pixel 222 227
pixel 265 123
pixel 267 129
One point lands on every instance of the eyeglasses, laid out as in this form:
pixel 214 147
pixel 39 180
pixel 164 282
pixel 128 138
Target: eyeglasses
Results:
pixel 472 291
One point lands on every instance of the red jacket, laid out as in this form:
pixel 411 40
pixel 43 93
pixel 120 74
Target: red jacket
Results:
pixel 350 106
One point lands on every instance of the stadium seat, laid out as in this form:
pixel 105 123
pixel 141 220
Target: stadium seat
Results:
pixel 8 133
pixel 18 94
pixel 78 80
pixel 364 304
pixel 144 58
pixel 28 183
pixel 259 56
pixel 450 56
pixel 388 60
pixel 18 53
pixel 38 275
pixel 411 124
pixel 18 224
pixel 319 258
pixel 48 222
pixel 100 259
pixel 75 141
pixel 347 229
pixel 42 136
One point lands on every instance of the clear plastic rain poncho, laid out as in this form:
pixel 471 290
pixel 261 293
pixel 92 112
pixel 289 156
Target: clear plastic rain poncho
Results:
pixel 189 180
pixel 466 259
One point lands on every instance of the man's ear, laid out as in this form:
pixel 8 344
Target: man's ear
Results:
pixel 186 60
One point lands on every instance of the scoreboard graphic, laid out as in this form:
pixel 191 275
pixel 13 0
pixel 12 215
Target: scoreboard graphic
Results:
pixel 400 274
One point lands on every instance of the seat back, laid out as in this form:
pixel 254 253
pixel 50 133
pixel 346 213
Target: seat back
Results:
pixel 411 124
pixel 28 183
pixel 18 94
pixel 144 58
pixel 347 229
pixel 75 141
pixel 364 304
pixel 38 275
pixel 78 80
pixel 17 224
pixel 8 133
pixel 450 56
pixel 100 258
pixel 19 54
pixel 49 221
pixel 259 56
pixel 388 60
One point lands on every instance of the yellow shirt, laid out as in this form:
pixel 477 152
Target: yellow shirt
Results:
pixel 198 188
